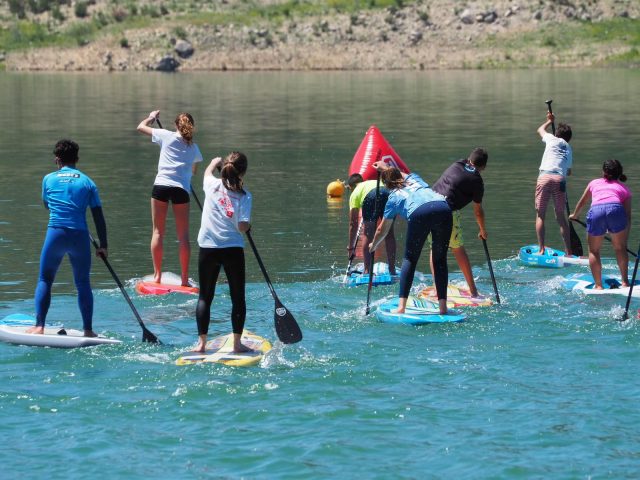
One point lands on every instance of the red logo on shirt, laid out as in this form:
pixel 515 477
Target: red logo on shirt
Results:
pixel 225 202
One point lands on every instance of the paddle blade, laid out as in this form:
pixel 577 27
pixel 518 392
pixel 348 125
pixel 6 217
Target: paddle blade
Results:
pixel 287 328
pixel 149 337
pixel 576 244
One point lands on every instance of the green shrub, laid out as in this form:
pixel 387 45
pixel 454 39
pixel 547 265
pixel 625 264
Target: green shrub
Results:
pixel 81 9
pixel 57 14
pixel 17 8
pixel 180 32
pixel 124 43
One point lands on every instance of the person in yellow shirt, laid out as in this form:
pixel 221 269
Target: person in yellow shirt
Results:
pixel 363 197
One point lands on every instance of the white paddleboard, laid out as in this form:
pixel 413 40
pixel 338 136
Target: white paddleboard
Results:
pixel 56 337
pixel 611 285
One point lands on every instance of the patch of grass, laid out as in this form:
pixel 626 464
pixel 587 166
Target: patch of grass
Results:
pixel 630 58
pixel 278 13
pixel 569 35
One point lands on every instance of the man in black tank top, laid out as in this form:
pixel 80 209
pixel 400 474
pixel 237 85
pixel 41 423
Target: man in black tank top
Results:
pixel 462 184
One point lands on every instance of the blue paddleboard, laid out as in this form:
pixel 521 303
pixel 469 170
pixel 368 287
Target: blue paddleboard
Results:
pixel 551 258
pixel 381 276
pixel 583 282
pixel 418 312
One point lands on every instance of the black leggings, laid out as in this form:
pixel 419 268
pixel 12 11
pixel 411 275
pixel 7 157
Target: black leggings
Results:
pixel 209 262
pixel 434 218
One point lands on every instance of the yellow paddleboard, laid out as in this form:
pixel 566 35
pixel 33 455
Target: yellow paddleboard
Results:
pixel 220 350
pixel 456 297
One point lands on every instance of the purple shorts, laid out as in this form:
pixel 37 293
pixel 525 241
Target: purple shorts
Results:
pixel 606 217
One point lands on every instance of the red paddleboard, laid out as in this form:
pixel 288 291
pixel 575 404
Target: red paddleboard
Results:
pixel 367 154
pixel 170 284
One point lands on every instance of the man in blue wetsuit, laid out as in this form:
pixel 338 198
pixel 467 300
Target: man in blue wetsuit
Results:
pixel 67 193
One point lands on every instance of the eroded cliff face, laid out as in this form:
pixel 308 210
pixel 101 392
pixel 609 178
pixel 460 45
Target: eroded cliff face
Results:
pixel 436 34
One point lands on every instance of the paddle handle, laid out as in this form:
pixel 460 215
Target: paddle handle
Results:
pixel 493 277
pixel 553 125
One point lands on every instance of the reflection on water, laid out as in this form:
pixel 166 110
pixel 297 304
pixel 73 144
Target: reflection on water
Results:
pixel 299 131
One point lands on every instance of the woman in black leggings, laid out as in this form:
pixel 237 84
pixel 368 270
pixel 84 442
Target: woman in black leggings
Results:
pixel 427 212
pixel 225 217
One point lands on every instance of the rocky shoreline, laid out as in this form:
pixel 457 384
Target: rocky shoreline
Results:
pixel 421 36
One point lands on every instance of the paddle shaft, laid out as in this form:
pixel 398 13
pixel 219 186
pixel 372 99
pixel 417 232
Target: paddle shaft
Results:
pixel 262 267
pixel 353 255
pixel 576 244
pixel 606 237
pixel 287 328
pixel 147 336
pixel 193 192
pixel 493 277
pixel 373 255
pixel 633 280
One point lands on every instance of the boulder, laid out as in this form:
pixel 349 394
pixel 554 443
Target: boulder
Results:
pixel 467 17
pixel 166 64
pixel 183 48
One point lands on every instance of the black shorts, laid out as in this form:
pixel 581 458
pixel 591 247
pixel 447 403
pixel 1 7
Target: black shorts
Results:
pixel 369 211
pixel 175 195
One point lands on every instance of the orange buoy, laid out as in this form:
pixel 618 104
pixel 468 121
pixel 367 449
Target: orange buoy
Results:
pixel 335 189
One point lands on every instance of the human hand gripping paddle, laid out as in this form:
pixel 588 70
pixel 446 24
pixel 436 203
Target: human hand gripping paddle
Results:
pixel 193 192
pixel 147 336
pixel 576 244
pixel 493 277
pixel 287 328
pixel 633 280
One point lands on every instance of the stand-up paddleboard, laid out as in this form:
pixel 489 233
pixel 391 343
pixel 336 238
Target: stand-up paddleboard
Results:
pixel 367 153
pixel 171 283
pixel 22 320
pixel 456 297
pixel 551 258
pixel 220 350
pixel 611 285
pixel 381 275
pixel 418 312
pixel 58 336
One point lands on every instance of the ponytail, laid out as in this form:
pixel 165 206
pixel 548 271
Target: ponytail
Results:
pixel 392 178
pixel 234 166
pixel 612 170
pixel 185 125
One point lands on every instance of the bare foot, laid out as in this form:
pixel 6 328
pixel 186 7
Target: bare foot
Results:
pixel 624 284
pixel 157 278
pixel 199 348
pixel 398 310
pixel 241 348
pixel 598 287
pixel 36 329
pixel 90 333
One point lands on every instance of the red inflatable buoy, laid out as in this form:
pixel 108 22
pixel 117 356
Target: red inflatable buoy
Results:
pixel 367 154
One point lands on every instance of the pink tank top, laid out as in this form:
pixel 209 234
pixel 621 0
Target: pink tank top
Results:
pixel 604 191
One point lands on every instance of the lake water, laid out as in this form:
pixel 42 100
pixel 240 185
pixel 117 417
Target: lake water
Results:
pixel 543 385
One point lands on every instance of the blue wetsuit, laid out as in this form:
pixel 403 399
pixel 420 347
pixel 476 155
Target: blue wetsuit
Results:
pixel 426 212
pixel 67 193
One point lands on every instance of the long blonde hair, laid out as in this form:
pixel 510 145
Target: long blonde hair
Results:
pixel 185 125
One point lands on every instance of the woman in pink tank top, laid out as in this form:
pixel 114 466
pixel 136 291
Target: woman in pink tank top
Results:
pixel 610 212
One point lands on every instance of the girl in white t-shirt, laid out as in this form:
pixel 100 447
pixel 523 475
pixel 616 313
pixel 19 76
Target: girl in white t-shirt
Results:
pixel 178 159
pixel 225 217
